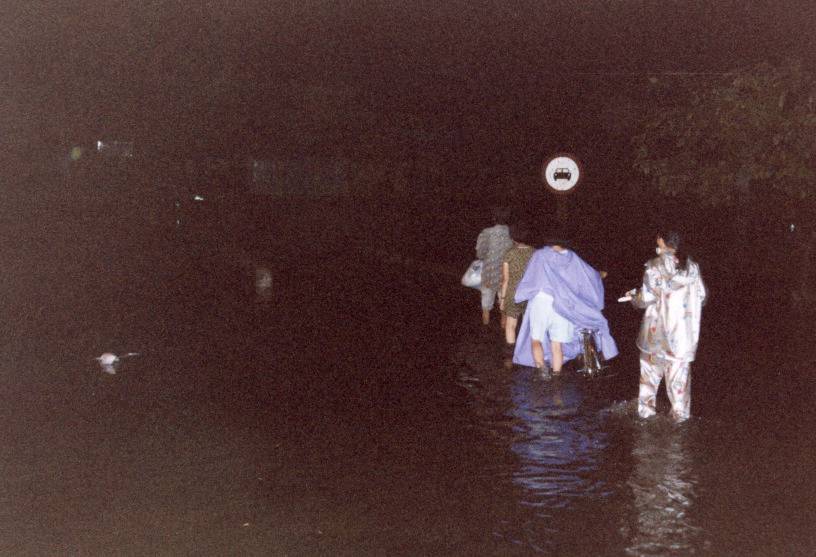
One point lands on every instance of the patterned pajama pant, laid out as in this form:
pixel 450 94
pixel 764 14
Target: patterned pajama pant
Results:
pixel 678 385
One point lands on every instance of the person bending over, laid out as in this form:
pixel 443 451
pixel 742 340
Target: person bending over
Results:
pixel 565 295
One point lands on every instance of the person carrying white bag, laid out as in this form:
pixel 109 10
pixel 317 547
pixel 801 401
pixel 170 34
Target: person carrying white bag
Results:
pixel 491 245
pixel 473 276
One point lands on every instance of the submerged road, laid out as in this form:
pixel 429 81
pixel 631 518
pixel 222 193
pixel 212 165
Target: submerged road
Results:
pixel 360 409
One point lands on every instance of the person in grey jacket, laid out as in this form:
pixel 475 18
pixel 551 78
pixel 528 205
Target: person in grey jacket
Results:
pixel 491 245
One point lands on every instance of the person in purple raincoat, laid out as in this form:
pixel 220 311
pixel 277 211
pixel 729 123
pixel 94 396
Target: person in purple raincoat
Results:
pixel 564 294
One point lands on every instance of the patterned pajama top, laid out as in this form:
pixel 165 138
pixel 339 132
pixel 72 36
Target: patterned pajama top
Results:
pixel 516 258
pixel 491 245
pixel 673 300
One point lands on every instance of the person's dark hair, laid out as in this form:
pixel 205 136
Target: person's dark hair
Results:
pixel 672 239
pixel 519 232
pixel 500 215
pixel 558 237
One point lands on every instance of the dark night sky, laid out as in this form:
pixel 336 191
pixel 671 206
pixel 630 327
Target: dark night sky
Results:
pixel 489 82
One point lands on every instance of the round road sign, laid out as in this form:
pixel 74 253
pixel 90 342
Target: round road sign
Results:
pixel 562 173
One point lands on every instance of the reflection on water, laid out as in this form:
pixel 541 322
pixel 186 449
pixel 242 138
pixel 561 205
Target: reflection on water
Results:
pixel 663 483
pixel 555 438
pixel 557 444
pixel 587 475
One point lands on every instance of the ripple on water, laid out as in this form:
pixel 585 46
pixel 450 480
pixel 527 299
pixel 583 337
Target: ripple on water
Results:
pixel 585 472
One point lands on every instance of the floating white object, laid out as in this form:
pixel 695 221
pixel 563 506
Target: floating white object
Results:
pixel 263 283
pixel 108 361
pixel 263 278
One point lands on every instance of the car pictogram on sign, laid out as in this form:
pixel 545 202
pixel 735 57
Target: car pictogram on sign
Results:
pixel 562 174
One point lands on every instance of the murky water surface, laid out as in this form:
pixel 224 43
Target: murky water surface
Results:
pixel 359 410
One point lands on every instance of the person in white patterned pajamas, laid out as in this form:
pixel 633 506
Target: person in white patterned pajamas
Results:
pixel 673 295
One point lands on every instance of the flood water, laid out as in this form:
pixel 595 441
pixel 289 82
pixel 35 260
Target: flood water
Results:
pixel 361 409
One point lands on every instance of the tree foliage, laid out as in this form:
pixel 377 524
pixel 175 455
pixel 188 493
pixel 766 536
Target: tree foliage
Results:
pixel 753 127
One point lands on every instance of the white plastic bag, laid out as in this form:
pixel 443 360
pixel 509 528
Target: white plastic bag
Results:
pixel 473 276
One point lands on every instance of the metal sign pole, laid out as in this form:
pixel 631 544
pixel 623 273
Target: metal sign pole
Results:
pixel 561 209
pixel 561 174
